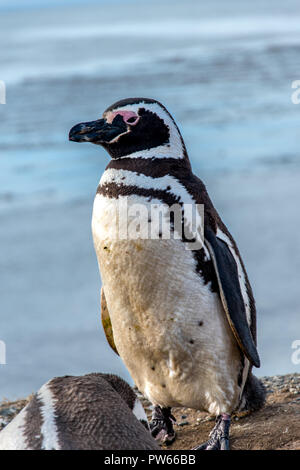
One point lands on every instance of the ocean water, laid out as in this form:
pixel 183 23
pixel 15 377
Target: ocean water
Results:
pixel 224 70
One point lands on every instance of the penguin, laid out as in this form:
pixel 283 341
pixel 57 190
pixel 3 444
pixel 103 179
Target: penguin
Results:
pixel 91 412
pixel 177 306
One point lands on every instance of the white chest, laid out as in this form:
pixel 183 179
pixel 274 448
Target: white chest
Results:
pixel 168 326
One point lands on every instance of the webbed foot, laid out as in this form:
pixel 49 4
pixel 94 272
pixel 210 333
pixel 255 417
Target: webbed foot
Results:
pixel 219 436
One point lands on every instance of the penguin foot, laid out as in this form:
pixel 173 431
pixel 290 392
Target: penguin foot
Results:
pixel 161 426
pixel 219 436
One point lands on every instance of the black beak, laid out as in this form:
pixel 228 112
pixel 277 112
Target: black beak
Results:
pixel 98 132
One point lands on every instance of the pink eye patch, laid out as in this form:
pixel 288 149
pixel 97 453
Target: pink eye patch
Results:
pixel 130 117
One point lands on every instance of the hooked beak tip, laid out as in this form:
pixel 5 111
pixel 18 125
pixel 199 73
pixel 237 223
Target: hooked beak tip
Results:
pixel 77 133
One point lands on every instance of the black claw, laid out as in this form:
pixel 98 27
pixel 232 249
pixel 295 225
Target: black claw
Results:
pixel 161 426
pixel 224 444
pixel 219 436
pixel 156 426
pixel 201 447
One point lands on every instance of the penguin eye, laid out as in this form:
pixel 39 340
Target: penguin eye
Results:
pixel 133 120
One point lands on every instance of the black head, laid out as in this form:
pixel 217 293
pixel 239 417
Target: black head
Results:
pixel 131 126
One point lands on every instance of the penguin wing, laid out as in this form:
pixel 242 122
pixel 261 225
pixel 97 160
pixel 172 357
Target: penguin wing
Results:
pixel 231 295
pixel 106 323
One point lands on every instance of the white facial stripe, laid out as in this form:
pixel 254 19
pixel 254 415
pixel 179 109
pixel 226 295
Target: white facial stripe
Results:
pixel 139 411
pixel 174 148
pixel 241 273
pixel 48 429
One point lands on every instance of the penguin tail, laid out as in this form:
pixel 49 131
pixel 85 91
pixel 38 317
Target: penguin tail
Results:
pixel 254 394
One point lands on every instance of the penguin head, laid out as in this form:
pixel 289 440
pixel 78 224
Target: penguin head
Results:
pixel 129 396
pixel 133 127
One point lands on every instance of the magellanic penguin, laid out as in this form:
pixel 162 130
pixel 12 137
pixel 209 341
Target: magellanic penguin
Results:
pixel 90 412
pixel 182 319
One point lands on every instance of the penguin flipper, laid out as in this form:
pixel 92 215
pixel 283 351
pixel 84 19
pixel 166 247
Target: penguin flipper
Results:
pixel 231 295
pixel 106 323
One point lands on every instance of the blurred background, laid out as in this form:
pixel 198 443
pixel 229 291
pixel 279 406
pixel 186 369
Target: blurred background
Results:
pixel 224 70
